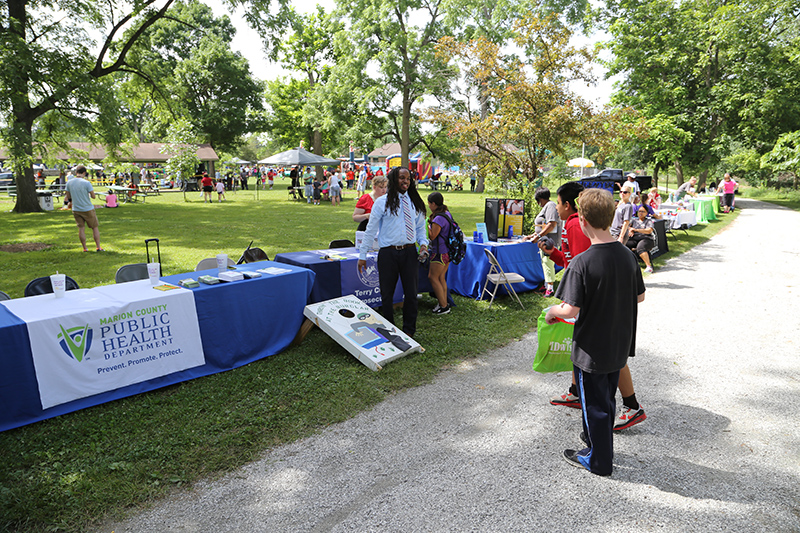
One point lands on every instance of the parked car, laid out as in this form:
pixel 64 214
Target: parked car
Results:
pixel 611 176
pixel 6 179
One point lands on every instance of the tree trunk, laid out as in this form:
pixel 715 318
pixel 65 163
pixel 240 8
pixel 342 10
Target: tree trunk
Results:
pixel 405 129
pixel 678 174
pixel 316 143
pixel 22 143
pixel 655 174
pixel 701 180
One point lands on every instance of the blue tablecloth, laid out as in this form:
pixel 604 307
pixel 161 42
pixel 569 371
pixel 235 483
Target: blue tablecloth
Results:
pixel 467 278
pixel 340 278
pixel 240 322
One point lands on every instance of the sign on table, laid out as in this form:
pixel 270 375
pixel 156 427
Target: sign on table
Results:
pixel 97 340
pixel 361 331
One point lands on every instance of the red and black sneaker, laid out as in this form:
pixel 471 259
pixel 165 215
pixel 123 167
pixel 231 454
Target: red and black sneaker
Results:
pixel 567 400
pixel 629 417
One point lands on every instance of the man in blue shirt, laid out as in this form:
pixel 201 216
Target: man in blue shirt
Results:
pixel 80 192
pixel 398 219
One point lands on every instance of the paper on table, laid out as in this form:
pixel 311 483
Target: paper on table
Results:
pixel 273 270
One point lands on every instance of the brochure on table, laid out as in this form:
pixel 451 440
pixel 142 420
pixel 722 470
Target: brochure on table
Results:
pixel 97 340
pixel 361 331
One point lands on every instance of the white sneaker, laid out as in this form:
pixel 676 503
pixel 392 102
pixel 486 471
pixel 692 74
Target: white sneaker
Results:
pixel 649 270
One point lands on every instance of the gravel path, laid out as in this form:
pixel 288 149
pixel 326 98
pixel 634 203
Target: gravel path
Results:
pixel 717 371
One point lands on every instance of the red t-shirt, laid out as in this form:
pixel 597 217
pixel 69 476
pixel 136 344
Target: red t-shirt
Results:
pixel 206 181
pixel 365 203
pixel 573 242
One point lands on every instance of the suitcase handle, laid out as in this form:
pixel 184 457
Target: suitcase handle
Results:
pixel 158 249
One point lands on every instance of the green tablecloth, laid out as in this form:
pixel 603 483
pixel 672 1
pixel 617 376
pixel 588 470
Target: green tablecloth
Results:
pixel 715 200
pixel 704 209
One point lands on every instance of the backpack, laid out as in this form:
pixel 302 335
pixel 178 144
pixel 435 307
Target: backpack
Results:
pixel 455 241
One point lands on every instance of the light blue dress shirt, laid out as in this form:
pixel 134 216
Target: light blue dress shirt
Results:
pixel 391 228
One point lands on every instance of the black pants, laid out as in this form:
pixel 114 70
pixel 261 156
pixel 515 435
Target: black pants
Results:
pixel 403 264
pixel 598 405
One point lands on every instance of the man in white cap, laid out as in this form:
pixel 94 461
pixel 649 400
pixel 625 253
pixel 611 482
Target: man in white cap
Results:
pixel 631 185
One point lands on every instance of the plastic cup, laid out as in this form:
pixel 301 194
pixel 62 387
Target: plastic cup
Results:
pixel 154 273
pixel 222 263
pixel 59 282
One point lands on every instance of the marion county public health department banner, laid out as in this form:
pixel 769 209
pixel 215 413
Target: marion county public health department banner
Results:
pixel 101 339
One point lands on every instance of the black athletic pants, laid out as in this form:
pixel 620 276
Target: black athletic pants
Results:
pixel 598 405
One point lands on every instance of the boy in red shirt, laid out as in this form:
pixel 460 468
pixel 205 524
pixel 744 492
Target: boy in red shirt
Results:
pixel 573 243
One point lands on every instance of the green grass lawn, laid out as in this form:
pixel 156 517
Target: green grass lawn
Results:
pixel 73 471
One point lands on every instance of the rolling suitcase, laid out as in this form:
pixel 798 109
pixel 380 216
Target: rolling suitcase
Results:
pixel 158 252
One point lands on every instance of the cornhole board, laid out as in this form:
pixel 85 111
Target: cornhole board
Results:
pixel 361 331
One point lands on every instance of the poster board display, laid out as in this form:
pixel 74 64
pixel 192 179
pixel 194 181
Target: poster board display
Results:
pixel 500 213
pixel 361 331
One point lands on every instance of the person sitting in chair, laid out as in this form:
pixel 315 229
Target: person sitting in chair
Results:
pixel 641 237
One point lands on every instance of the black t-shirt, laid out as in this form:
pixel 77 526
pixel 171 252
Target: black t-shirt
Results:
pixel 605 282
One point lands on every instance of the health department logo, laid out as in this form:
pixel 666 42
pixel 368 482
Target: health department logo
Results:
pixel 76 341
pixel 370 276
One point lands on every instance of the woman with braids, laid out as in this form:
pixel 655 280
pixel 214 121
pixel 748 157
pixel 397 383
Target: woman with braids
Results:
pixel 398 219
pixel 438 232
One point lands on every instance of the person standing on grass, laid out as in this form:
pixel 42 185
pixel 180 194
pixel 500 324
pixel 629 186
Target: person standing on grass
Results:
pixel 366 201
pixel 548 224
pixel 80 194
pixel 335 188
pixel 602 288
pixel 220 191
pixel 438 233
pixel 208 187
pixel 573 243
pixel 361 185
pixel 398 220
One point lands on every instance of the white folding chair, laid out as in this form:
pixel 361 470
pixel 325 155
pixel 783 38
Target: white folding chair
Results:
pixel 210 263
pixel 499 277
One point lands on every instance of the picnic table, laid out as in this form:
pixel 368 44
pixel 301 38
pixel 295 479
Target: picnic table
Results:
pixel 148 188
pixel 128 193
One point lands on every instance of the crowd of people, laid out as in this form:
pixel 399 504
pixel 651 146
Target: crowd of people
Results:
pixel 583 231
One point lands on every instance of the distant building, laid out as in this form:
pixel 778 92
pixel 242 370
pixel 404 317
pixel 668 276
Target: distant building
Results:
pixel 141 154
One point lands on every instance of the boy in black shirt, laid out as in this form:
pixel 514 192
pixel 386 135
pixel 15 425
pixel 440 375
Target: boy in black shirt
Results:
pixel 604 284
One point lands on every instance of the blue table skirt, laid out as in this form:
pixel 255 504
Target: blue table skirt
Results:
pixel 330 282
pixel 467 277
pixel 240 322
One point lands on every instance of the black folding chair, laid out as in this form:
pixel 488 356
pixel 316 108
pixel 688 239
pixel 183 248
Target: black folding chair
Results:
pixel 341 243
pixel 4 296
pixel 252 255
pixel 133 272
pixel 44 286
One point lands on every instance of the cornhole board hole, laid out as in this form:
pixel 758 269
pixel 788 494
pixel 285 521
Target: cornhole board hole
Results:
pixel 361 331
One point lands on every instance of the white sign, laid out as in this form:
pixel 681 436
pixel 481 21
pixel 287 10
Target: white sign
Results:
pixel 361 331
pixel 96 340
